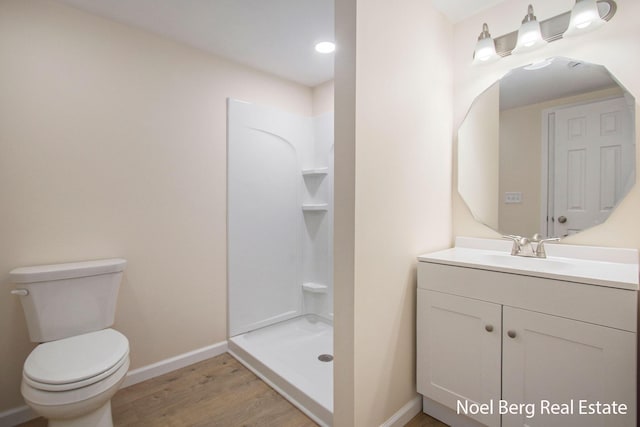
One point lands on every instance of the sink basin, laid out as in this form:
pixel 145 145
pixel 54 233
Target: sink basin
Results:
pixel 525 263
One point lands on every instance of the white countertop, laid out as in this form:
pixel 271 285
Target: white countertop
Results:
pixel 611 267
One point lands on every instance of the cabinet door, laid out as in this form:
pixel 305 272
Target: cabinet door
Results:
pixel 458 351
pixel 562 361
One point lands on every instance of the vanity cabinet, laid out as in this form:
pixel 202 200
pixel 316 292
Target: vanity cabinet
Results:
pixel 459 350
pixel 550 358
pixel 488 337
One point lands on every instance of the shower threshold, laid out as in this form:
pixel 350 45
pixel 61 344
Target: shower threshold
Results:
pixel 291 357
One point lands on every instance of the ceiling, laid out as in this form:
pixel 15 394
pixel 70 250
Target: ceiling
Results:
pixel 563 77
pixel 276 36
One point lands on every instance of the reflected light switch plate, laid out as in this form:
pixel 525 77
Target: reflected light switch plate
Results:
pixel 513 197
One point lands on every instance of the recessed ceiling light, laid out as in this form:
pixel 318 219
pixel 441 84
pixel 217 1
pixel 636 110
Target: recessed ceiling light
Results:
pixel 325 47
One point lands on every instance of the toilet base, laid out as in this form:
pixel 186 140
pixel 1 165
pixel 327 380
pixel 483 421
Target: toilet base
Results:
pixel 101 417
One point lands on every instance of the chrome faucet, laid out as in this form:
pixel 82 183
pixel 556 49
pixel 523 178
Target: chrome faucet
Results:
pixel 523 246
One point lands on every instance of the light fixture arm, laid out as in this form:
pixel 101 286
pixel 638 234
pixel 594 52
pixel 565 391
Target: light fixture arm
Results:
pixel 529 16
pixel 485 32
pixel 551 29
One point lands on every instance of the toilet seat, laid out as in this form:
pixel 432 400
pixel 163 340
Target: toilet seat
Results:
pixel 63 401
pixel 76 362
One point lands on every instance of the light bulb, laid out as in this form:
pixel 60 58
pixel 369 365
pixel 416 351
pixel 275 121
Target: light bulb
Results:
pixel 485 48
pixel 585 17
pixel 529 34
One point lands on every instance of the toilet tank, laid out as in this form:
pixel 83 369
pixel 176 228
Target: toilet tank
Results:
pixel 63 300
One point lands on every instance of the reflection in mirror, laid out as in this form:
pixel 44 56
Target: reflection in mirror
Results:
pixel 549 149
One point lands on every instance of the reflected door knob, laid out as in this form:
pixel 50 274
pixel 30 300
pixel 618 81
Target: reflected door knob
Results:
pixel 562 219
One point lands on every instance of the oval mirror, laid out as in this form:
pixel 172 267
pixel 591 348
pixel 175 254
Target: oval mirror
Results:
pixel 549 149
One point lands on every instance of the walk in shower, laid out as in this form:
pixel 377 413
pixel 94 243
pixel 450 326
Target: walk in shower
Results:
pixel 280 266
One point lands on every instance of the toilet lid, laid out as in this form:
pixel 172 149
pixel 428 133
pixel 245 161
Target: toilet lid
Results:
pixel 75 359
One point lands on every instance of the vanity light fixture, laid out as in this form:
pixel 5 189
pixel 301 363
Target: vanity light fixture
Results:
pixel 534 34
pixel 529 34
pixel 485 48
pixel 585 17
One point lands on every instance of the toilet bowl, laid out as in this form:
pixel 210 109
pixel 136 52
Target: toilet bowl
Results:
pixel 71 376
pixel 71 381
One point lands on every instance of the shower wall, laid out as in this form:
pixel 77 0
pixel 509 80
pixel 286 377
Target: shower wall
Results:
pixel 318 224
pixel 280 169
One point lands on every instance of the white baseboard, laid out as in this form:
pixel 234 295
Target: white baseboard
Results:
pixel 171 364
pixel 405 414
pixel 22 414
pixel 16 416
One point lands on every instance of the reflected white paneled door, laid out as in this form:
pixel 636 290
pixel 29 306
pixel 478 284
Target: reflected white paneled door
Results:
pixel 594 163
pixel 264 214
pixel 549 358
pixel 458 351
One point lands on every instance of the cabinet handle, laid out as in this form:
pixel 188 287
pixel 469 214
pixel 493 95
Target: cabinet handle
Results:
pixel 488 328
pixel 511 334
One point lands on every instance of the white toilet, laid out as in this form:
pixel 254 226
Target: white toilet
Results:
pixel 70 378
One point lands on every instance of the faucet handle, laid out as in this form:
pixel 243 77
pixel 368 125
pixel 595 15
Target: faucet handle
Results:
pixel 517 241
pixel 540 252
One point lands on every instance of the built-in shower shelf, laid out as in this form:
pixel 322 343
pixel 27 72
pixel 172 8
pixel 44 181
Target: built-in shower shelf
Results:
pixel 316 288
pixel 315 207
pixel 315 172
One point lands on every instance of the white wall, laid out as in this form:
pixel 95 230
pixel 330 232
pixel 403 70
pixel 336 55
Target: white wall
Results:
pixel 112 143
pixel 323 98
pixel 396 164
pixel 520 170
pixel 344 215
pixel 318 226
pixel 611 46
pixel 479 157
pixel 264 215
pixel 274 246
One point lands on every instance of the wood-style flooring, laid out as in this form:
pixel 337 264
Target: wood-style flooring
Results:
pixel 424 420
pixel 216 392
